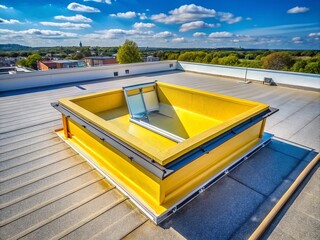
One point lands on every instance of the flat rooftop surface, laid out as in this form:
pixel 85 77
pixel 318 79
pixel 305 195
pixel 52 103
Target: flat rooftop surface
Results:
pixel 48 191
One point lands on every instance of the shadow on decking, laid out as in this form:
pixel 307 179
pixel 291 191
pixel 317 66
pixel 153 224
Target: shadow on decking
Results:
pixel 235 206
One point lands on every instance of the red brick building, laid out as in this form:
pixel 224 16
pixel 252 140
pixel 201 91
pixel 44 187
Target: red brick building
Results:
pixel 55 64
pixel 99 61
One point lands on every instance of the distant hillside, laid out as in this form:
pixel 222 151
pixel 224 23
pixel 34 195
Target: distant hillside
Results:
pixel 13 47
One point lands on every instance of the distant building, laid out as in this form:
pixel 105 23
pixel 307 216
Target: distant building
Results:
pixel 14 70
pixel 48 56
pixel 151 59
pixel 80 44
pixel 99 61
pixel 55 64
pixel 8 61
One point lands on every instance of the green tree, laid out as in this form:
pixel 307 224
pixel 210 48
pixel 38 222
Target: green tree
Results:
pixel 129 53
pixel 249 56
pixel 22 62
pixel 312 67
pixel 77 56
pixel 30 61
pixel 13 54
pixel 258 57
pixel 299 66
pixel 250 64
pixel 173 56
pixel 231 60
pixel 186 56
pixel 208 58
pixel 85 51
pixel 159 54
pixel 278 61
pixel 308 53
pixel 215 60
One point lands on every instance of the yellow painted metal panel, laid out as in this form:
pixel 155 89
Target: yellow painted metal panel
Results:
pixel 159 195
pixel 211 105
pixel 102 101
pixel 196 118
pixel 194 115
pixel 138 182
pixel 192 175
pixel 136 131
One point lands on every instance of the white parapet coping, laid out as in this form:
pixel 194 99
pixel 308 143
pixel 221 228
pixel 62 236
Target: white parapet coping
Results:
pixel 68 75
pixel 302 80
pixel 60 76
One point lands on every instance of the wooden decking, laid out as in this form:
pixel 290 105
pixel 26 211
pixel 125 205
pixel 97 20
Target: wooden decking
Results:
pixel 47 191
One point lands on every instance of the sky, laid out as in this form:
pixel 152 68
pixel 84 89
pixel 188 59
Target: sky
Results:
pixel 258 24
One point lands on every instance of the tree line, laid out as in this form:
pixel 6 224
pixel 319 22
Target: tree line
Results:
pixel 305 61
pixel 296 61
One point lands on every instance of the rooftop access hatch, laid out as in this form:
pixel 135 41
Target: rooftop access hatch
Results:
pixel 161 144
pixel 144 108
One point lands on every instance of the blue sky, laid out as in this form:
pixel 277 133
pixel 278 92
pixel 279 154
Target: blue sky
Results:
pixel 274 24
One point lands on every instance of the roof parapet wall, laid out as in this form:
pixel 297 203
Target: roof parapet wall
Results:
pixel 292 79
pixel 62 76
pixel 67 75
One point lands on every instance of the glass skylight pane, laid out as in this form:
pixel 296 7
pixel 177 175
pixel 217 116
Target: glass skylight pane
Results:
pixel 137 108
pixel 151 101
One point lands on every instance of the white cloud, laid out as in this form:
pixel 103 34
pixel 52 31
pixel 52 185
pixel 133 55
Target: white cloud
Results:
pixel 49 33
pixel 6 31
pixel 142 16
pixel 76 18
pixel 3 6
pixel 101 1
pixel 143 25
pixel 236 40
pixel 10 21
pixel 298 10
pixel 267 41
pixel 220 35
pixel 183 14
pixel 248 18
pixel 165 34
pixel 228 17
pixel 129 14
pixel 195 25
pixel 297 40
pixel 67 25
pixel 121 33
pixel 199 34
pixel 179 40
pixel 234 20
pixel 314 34
pixel 37 33
pixel 82 8
pixel 39 38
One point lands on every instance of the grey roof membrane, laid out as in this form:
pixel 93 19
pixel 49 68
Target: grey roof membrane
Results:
pixel 47 191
